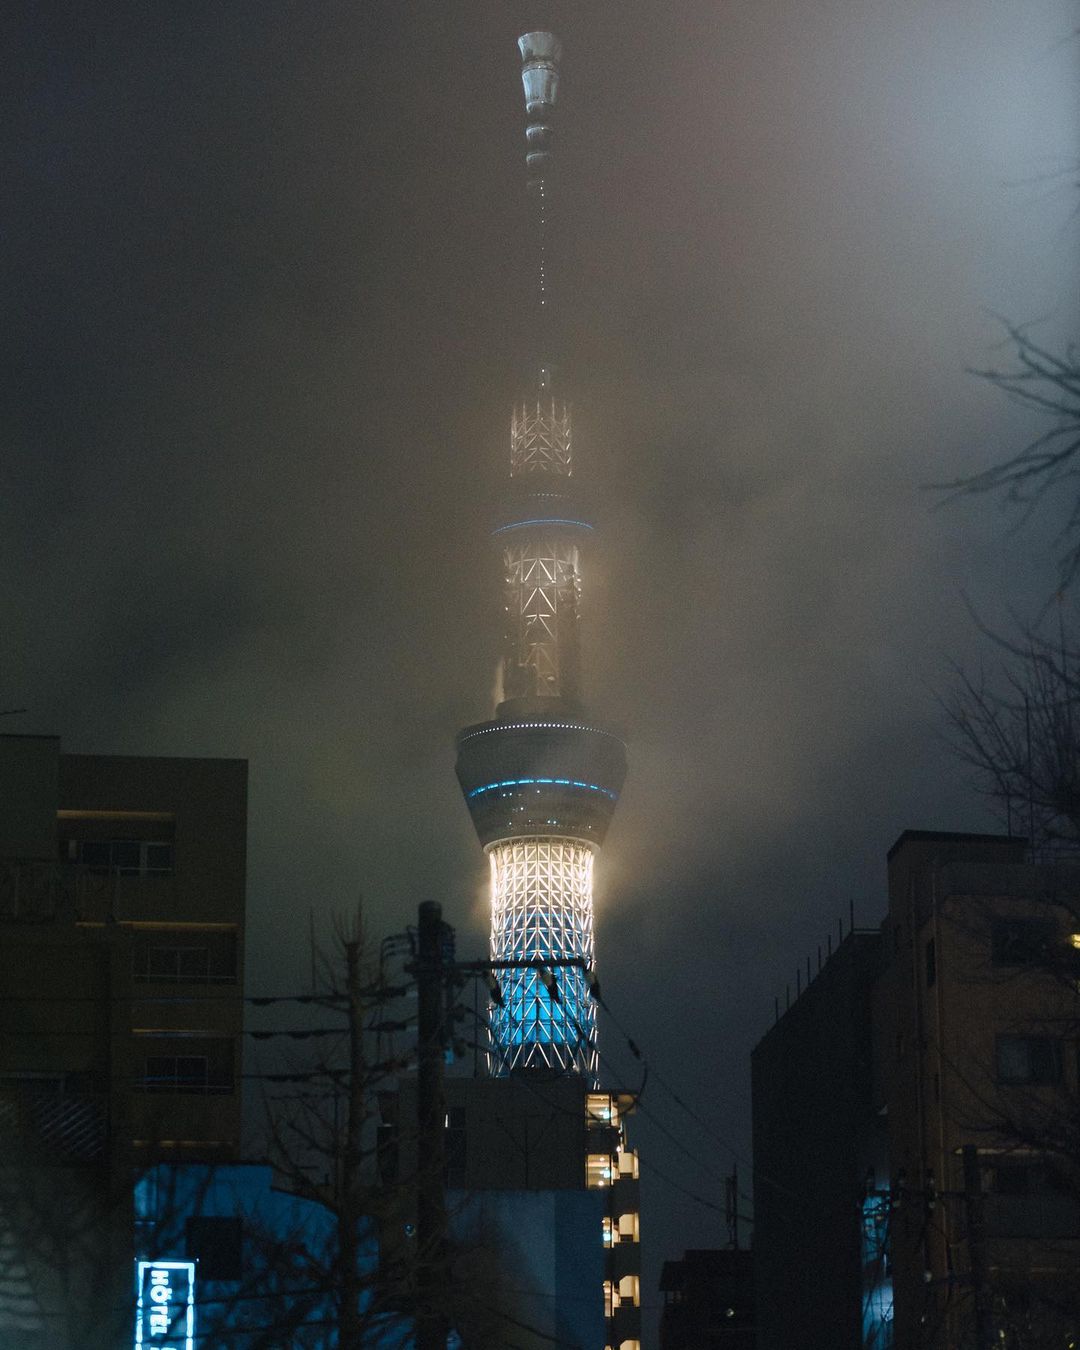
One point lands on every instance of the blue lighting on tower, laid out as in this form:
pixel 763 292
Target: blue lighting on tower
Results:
pixel 531 782
pixel 523 524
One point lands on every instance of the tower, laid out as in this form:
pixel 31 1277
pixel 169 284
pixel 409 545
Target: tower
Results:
pixel 542 777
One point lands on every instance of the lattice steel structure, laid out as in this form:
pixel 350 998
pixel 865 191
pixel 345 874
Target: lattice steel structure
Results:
pixel 541 779
pixel 542 587
pixel 540 438
pixel 541 903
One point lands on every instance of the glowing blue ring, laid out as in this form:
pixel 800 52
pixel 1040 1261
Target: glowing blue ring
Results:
pixel 531 782
pixel 547 520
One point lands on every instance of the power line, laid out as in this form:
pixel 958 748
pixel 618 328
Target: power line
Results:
pixel 374 993
pixel 700 1120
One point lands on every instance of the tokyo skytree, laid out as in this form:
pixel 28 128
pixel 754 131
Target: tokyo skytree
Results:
pixel 542 777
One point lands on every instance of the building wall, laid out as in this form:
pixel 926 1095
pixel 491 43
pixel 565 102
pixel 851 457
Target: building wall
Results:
pixel 901 1054
pixel 815 1137
pixel 124 946
pixel 708 1301
pixel 945 1000
pixel 266 1269
pixel 543 1195
pixel 529 1265
pixel 122 999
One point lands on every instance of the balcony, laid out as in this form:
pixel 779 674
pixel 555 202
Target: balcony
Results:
pixel 65 1126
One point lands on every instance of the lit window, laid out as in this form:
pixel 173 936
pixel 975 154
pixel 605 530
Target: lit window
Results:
pixel 597 1171
pixel 601 1108
pixel 611 1298
pixel 629 1228
pixel 628 1163
pixel 610 1233
pixel 630 1290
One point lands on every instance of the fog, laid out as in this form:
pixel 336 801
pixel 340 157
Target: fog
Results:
pixel 263 318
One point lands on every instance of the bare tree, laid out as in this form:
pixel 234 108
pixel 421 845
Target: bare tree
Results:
pixel 307 1272
pixel 1018 730
pixel 322 1145
pixel 1046 383
pixel 1016 725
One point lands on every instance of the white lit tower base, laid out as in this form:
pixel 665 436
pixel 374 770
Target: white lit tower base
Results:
pixel 542 778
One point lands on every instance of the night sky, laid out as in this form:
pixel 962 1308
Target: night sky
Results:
pixel 263 278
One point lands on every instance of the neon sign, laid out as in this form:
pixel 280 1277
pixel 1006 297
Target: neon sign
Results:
pixel 165 1304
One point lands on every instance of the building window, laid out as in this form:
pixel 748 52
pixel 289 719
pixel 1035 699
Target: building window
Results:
pixel 202 1066
pixel 597 1170
pixel 1028 1197
pixel 176 963
pixel 177 955
pixel 630 1290
pixel 628 1163
pixel 176 1073
pixel 1022 942
pixel 120 857
pixel 600 1108
pixel 629 1228
pixel 1028 1059
pixel 611 1299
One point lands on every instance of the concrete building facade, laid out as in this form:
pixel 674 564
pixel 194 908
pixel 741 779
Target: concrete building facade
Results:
pixel 815 1134
pixel 917 1163
pixel 122 896
pixel 543 1194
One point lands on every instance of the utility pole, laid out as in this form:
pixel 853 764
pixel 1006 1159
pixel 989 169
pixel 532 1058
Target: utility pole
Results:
pixel 731 1196
pixel 431 1133
pixel 349 1182
pixel 976 1239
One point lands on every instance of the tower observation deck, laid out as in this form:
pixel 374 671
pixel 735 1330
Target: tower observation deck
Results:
pixel 542 777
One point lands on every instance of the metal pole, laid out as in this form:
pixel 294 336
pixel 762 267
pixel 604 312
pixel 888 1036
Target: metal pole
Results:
pixel 349 1191
pixel 976 1240
pixel 735 1205
pixel 431 1133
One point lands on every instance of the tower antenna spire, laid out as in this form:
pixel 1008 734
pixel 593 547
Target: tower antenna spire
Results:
pixel 541 53
pixel 542 777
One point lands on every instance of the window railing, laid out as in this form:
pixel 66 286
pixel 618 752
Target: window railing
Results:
pixel 192 965
pixel 184 1074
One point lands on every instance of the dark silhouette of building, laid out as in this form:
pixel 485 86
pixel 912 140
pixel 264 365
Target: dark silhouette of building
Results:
pixel 914 1116
pixel 122 894
pixel 708 1301
pixel 976 1019
pixel 816 1133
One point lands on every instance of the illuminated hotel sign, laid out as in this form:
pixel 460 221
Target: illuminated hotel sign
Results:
pixel 165 1306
